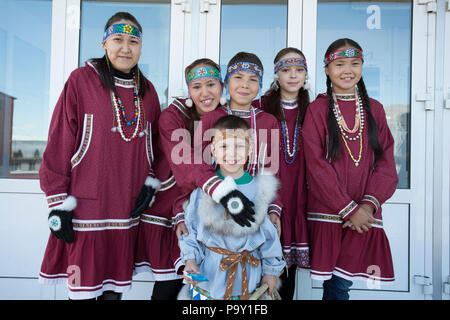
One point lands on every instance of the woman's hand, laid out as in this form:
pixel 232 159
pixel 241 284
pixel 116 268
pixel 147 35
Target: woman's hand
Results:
pixel 191 267
pixel 362 220
pixel 276 222
pixel 271 282
pixel 181 230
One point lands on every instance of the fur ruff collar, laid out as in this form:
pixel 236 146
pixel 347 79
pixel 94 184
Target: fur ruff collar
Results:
pixel 211 213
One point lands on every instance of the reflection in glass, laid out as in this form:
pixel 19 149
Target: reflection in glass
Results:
pixel 154 17
pixel 383 29
pixel 254 26
pixel 25 40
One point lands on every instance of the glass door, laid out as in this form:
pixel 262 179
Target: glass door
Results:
pixel 392 73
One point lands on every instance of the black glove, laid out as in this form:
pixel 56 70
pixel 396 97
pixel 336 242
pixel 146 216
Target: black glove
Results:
pixel 60 223
pixel 239 207
pixel 143 200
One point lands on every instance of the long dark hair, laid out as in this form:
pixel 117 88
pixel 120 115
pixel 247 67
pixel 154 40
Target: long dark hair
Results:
pixel 192 112
pixel 272 102
pixel 334 142
pixel 103 66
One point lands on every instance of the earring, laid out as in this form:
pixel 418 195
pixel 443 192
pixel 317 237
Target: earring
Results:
pixel 306 84
pixel 274 85
pixel 223 100
pixel 189 102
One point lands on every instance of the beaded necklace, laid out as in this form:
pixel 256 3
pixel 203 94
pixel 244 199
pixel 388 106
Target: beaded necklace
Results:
pixel 359 126
pixel 289 156
pixel 123 122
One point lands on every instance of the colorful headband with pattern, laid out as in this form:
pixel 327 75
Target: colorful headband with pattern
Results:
pixel 203 72
pixel 122 28
pixel 245 66
pixel 343 54
pixel 297 62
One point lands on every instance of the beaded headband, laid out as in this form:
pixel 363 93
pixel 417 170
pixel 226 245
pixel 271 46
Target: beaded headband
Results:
pixel 245 66
pixel 297 62
pixel 203 72
pixel 122 28
pixel 343 54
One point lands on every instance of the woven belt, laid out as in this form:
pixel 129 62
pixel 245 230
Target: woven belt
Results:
pixel 230 262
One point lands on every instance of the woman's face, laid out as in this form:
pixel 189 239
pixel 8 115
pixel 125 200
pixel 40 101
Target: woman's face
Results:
pixel 291 78
pixel 243 87
pixel 344 73
pixel 205 93
pixel 123 50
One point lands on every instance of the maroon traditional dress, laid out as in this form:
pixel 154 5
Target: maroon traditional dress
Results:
pixel 157 248
pixel 85 159
pixel 294 235
pixel 337 189
pixel 203 174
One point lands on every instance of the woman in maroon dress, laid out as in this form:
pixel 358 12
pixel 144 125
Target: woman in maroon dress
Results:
pixel 350 174
pixel 97 169
pixel 157 247
pixel 288 100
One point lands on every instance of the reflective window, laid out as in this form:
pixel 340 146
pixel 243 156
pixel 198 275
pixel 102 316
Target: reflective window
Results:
pixel 25 40
pixel 254 26
pixel 383 29
pixel 154 17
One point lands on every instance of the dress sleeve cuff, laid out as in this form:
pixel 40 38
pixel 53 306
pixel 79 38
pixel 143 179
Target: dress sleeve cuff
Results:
pixel 179 218
pixel 275 209
pixel 349 210
pixel 61 202
pixel 372 201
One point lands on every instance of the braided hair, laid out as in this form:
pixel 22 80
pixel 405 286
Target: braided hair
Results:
pixel 333 130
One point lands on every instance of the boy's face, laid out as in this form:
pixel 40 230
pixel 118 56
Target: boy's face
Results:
pixel 231 149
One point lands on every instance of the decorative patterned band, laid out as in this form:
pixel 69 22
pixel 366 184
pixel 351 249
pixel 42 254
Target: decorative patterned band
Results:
pixel 333 218
pixel 203 72
pixel 349 208
pixel 297 62
pixel 373 200
pixel 245 66
pixel 56 199
pixel 122 28
pixel 343 54
pixel 156 220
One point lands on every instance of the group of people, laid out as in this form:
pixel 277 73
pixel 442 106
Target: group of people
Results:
pixel 224 192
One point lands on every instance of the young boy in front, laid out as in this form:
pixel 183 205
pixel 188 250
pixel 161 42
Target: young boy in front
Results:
pixel 235 259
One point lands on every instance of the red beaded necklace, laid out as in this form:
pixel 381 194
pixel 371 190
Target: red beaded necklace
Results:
pixel 123 123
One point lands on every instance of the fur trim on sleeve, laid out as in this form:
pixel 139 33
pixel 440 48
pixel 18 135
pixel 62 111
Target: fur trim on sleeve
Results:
pixel 211 214
pixel 153 182
pixel 69 204
pixel 225 187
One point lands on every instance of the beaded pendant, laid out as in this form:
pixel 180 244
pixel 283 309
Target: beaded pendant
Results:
pixel 359 126
pixel 123 123
pixel 289 155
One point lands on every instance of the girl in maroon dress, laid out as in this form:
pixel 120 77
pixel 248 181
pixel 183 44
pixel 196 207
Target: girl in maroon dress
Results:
pixel 288 100
pixel 157 248
pixel 243 82
pixel 350 174
pixel 97 169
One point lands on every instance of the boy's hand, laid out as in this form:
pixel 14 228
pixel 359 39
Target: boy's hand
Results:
pixel 271 282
